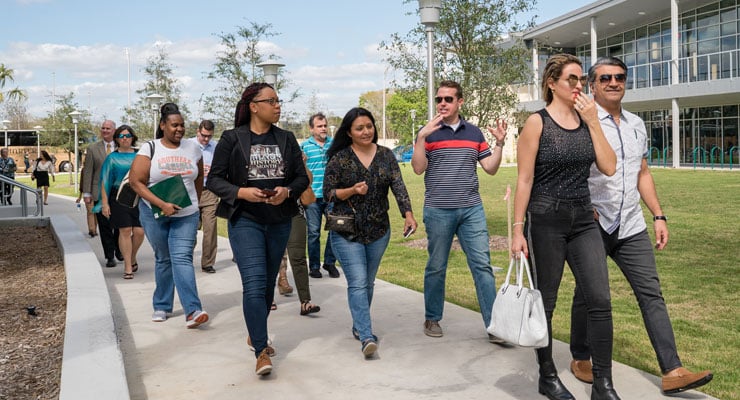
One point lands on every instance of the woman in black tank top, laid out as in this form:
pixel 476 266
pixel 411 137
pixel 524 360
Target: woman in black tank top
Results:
pixel 554 217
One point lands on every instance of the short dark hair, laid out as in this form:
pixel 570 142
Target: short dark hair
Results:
pixel 318 115
pixel 207 124
pixel 129 130
pixel 453 85
pixel 605 61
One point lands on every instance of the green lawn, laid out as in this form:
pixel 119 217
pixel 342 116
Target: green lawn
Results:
pixel 700 271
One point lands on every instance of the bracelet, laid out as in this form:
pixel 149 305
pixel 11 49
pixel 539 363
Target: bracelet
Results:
pixel 660 217
pixel 501 143
pixel 517 223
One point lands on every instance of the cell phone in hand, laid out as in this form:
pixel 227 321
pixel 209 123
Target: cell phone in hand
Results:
pixel 269 192
pixel 408 232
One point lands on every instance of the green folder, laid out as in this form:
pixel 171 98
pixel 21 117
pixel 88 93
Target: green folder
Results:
pixel 171 190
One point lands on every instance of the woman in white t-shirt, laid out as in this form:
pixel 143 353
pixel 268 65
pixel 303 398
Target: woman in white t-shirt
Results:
pixel 172 235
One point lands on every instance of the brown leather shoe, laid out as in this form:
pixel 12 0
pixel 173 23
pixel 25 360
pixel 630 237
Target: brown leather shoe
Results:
pixel 264 364
pixel 681 379
pixel 581 369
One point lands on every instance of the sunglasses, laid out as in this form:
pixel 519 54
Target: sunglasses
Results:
pixel 271 101
pixel 573 80
pixel 125 136
pixel 607 78
pixel 447 99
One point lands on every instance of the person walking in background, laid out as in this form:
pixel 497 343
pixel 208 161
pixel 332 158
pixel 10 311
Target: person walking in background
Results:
pixel 26 161
pixel 357 178
pixel 172 235
pixel 41 171
pixel 92 224
pixel 7 169
pixel 123 218
pixel 448 150
pixel 208 200
pixel 315 149
pixel 616 201
pixel 258 173
pixel 96 154
pixel 296 253
pixel 555 151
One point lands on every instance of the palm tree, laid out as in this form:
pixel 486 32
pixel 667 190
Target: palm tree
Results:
pixel 6 75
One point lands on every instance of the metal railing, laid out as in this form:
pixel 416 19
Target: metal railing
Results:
pixel 23 194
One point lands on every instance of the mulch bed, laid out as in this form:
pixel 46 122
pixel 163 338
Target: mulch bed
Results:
pixel 31 275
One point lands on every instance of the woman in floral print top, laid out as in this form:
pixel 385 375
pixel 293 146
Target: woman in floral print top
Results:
pixel 358 175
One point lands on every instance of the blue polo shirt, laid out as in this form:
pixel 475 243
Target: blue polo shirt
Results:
pixel 451 177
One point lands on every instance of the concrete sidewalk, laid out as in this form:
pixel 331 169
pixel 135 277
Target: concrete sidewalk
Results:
pixel 317 357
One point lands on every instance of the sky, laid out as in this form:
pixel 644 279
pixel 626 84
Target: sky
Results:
pixel 329 47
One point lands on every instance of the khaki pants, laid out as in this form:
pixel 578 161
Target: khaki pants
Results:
pixel 207 204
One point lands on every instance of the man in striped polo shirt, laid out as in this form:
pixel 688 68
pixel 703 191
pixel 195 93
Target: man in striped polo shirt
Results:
pixel 315 149
pixel 448 149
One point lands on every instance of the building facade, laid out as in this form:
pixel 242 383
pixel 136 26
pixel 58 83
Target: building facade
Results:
pixel 684 70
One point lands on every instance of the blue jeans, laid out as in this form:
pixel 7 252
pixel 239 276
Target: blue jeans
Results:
pixel 634 256
pixel 469 224
pixel 360 264
pixel 258 250
pixel 173 241
pixel 559 231
pixel 314 216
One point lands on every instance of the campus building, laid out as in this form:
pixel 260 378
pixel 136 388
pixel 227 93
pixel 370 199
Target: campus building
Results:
pixel 684 69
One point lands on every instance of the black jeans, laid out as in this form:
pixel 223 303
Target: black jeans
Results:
pixel 634 256
pixel 558 231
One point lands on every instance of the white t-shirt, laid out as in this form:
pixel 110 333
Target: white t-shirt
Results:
pixel 169 162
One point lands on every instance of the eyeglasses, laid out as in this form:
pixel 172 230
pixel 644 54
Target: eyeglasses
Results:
pixel 607 78
pixel 573 80
pixel 125 136
pixel 447 99
pixel 271 101
pixel 205 136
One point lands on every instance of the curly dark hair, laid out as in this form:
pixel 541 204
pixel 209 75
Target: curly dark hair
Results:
pixel 342 138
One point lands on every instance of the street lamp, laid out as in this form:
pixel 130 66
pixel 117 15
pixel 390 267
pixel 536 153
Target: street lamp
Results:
pixel 38 128
pixel 384 89
pixel 429 12
pixel 270 72
pixel 332 128
pixel 413 124
pixel 75 115
pixel 5 128
pixel 154 101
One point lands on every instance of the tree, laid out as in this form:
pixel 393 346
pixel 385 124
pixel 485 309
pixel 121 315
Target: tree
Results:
pixel 6 75
pixel 470 49
pixel 160 80
pixel 15 110
pixel 236 68
pixel 59 130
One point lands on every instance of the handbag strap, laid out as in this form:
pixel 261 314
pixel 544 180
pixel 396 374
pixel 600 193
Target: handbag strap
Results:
pixel 524 265
pixel 332 195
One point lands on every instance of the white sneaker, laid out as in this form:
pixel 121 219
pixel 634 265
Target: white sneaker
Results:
pixel 196 318
pixel 159 316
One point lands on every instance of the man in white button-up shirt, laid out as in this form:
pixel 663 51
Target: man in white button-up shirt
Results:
pixel 616 201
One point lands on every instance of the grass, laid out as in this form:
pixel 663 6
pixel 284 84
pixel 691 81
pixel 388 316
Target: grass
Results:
pixel 699 271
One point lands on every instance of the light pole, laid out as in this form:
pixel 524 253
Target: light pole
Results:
pixel 154 101
pixel 332 128
pixel 384 89
pixel 5 128
pixel 38 129
pixel 75 115
pixel 429 12
pixel 413 124
pixel 270 72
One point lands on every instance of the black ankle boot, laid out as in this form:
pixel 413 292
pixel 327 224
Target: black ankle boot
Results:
pixel 603 389
pixel 550 385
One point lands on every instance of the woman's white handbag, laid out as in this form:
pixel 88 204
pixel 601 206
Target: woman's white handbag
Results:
pixel 518 314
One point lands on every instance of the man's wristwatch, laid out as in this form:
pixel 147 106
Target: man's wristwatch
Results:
pixel 660 217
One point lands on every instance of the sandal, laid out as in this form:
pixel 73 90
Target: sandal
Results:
pixel 135 267
pixel 273 306
pixel 308 308
pixel 127 275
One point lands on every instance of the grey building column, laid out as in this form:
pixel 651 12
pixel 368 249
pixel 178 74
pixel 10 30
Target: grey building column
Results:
pixel 594 39
pixel 536 71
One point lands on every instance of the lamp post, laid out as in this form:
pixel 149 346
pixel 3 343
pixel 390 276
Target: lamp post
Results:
pixel 5 128
pixel 38 129
pixel 384 89
pixel 270 72
pixel 332 128
pixel 429 13
pixel 75 115
pixel 154 101
pixel 413 124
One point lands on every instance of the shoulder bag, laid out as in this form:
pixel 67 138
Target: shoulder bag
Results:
pixel 126 196
pixel 340 223
pixel 518 314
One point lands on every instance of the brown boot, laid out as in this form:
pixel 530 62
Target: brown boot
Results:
pixel 681 379
pixel 283 285
pixel 581 369
pixel 264 364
